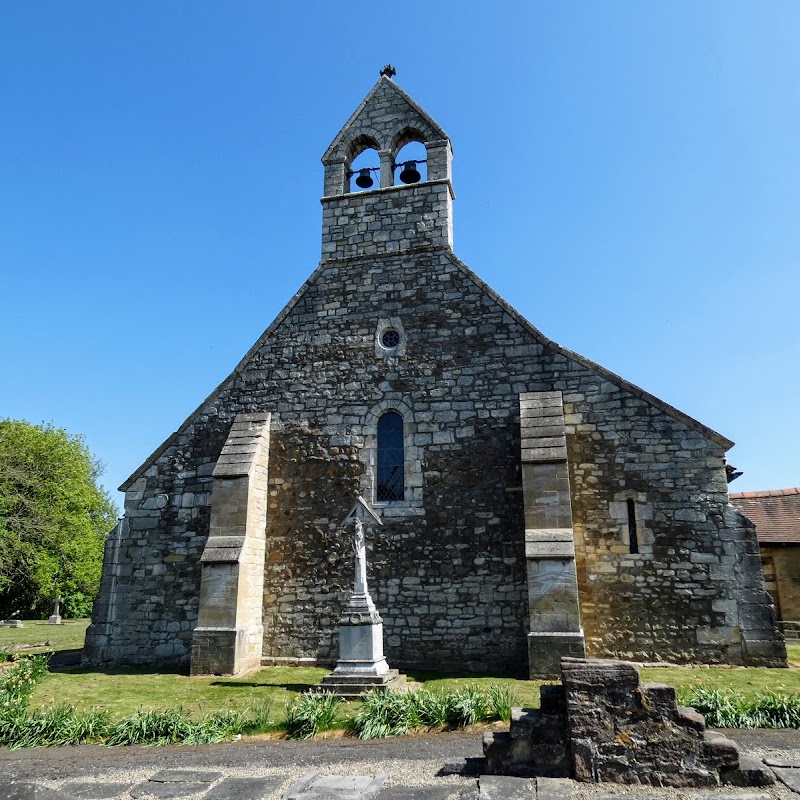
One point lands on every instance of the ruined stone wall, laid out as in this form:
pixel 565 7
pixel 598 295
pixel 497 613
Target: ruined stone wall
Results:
pixel 447 569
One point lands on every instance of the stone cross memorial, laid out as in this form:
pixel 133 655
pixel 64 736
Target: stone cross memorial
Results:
pixel 361 665
pixel 55 617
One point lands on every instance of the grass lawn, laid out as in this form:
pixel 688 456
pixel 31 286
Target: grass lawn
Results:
pixel 745 681
pixel 67 636
pixel 526 692
pixel 123 691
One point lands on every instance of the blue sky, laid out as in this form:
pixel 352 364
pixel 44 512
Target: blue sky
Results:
pixel 627 175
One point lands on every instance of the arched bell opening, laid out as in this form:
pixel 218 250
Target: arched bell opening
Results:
pixel 410 158
pixel 363 169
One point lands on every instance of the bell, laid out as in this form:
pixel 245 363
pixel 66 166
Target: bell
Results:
pixel 410 173
pixel 364 179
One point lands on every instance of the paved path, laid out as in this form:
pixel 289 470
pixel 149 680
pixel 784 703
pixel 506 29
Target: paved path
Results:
pixel 403 768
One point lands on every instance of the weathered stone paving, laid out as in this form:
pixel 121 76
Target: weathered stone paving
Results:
pixel 313 786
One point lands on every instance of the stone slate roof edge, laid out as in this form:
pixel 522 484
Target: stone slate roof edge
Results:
pixel 635 390
pixel 775 514
pixel 765 493
pixel 170 440
pixel 410 100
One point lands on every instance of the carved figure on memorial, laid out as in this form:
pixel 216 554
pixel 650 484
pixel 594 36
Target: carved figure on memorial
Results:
pixel 360 608
pixel 360 551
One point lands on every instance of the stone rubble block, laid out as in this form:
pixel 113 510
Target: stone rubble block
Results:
pixel 603 725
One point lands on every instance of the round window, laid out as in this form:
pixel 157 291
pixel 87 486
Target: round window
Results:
pixel 390 339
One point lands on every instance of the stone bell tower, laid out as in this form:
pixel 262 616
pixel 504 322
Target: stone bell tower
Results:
pixel 389 218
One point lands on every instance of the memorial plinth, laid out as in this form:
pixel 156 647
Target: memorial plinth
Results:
pixel 361 666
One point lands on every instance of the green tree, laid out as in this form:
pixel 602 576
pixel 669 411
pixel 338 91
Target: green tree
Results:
pixel 53 520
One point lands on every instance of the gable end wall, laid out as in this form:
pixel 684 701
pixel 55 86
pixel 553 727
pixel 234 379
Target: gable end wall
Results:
pixel 448 572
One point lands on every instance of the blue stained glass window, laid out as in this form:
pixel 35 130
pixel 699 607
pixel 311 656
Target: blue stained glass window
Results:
pixel 390 458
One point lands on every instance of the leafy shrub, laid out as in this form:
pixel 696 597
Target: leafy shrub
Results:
pixel 389 714
pixel 77 605
pixel 259 715
pixel 385 714
pixel 147 726
pixel 62 724
pixel 311 713
pixel 733 710
pixel 18 680
pixel 501 700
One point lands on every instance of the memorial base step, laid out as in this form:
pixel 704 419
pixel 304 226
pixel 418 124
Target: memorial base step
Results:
pixel 355 685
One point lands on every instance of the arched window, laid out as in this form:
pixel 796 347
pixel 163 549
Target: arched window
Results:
pixel 391 461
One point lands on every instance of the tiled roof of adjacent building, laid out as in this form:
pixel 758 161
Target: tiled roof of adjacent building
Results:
pixel 776 514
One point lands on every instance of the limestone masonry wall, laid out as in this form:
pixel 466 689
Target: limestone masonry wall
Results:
pixel 666 569
pixel 447 569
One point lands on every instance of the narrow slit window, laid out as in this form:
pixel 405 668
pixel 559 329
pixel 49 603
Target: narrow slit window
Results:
pixel 633 538
pixel 390 458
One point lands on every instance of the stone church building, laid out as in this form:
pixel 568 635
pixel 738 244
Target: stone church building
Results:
pixel 533 503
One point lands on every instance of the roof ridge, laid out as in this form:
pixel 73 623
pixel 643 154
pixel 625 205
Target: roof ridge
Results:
pixel 765 493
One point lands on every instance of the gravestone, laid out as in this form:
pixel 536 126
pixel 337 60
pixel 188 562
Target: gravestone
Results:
pixel 55 617
pixel 14 621
pixel 361 665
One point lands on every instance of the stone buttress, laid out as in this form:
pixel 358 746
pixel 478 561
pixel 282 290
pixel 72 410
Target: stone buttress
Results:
pixel 555 620
pixel 227 640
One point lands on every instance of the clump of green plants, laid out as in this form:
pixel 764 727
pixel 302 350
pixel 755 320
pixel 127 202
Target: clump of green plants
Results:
pixel 435 709
pixel 57 725
pixel 311 713
pixel 53 727
pixel 259 716
pixel 62 724
pixel 727 709
pixel 175 726
pixel 18 680
pixel 389 714
pixel 385 714
pixel 501 700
